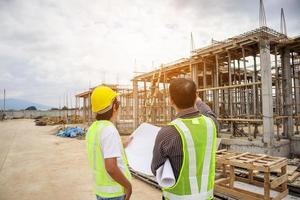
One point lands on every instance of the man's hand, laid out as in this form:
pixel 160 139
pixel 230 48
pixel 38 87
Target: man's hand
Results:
pixel 127 141
pixel 128 192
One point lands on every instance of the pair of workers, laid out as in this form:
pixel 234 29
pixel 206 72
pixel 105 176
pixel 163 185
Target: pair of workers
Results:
pixel 189 142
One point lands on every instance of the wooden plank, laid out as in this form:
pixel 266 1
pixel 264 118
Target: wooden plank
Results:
pixel 222 180
pixel 290 170
pixel 278 181
pixel 255 159
pixel 232 177
pixel 245 180
pixel 237 193
pixel 236 156
pixel 266 185
pixel 229 86
pixel 281 195
pixel 278 165
pixel 283 172
pixel 293 177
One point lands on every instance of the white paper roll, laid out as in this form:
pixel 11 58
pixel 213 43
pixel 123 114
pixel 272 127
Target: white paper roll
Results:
pixel 165 176
pixel 139 151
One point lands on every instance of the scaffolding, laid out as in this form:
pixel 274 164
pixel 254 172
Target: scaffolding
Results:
pixel 251 81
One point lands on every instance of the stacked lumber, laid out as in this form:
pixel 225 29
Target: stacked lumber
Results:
pixel 43 121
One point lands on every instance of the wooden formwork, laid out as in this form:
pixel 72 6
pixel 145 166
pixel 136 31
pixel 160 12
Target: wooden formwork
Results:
pixel 125 114
pixel 229 162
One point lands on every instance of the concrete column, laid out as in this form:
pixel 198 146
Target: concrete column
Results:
pixel 229 83
pixel 278 92
pixel 296 73
pixel 229 92
pixel 288 126
pixel 135 105
pixel 266 87
pixel 84 109
pixel 90 109
pixel 297 91
pixel 246 100
pixel 216 84
pixel 254 87
pixel 194 74
pixel 204 81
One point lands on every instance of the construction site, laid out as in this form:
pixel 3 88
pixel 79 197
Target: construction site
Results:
pixel 251 82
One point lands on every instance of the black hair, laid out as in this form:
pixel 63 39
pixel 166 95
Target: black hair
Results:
pixel 108 114
pixel 183 92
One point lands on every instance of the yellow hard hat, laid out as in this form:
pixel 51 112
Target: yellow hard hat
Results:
pixel 102 99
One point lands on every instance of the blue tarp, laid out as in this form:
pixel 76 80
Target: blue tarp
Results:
pixel 71 132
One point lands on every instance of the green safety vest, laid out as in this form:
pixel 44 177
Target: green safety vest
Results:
pixel 196 178
pixel 104 185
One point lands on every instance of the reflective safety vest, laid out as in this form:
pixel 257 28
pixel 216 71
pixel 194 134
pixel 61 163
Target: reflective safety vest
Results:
pixel 196 178
pixel 104 185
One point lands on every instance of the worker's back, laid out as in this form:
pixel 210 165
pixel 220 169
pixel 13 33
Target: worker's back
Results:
pixel 196 178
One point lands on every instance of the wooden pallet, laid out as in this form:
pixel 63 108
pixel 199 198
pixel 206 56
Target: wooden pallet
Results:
pixel 229 162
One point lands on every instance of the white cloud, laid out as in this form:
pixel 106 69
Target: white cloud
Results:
pixel 48 48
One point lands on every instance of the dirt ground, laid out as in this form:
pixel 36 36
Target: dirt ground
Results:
pixel 37 165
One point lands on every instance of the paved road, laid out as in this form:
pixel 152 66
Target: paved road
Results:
pixel 36 165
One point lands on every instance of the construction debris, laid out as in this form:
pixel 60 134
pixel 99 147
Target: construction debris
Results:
pixel 43 121
pixel 71 132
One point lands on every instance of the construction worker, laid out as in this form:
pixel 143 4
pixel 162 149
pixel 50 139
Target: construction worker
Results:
pixel 106 153
pixel 189 142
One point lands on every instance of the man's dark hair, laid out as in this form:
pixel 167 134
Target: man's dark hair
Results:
pixel 183 92
pixel 107 115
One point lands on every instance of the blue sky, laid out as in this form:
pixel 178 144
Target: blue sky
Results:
pixel 49 48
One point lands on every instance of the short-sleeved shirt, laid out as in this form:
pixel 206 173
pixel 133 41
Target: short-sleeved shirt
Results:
pixel 110 145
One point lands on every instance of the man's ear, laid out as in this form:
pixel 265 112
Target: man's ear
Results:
pixel 115 108
pixel 195 100
pixel 171 102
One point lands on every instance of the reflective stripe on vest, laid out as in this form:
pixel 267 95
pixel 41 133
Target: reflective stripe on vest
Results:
pixel 198 196
pixel 108 189
pixel 192 156
pixel 207 157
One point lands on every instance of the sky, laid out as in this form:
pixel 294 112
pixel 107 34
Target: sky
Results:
pixel 53 48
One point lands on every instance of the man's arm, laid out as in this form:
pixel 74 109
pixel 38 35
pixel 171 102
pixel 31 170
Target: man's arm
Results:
pixel 158 158
pixel 114 171
pixel 204 109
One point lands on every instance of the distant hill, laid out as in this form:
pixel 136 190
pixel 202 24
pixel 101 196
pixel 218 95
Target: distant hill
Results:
pixel 18 104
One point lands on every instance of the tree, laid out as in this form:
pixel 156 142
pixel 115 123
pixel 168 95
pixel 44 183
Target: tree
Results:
pixel 31 108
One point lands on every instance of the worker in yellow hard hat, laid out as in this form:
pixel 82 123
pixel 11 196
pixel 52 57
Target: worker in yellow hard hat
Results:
pixel 106 153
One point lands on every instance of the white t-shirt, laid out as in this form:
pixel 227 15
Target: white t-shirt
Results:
pixel 111 146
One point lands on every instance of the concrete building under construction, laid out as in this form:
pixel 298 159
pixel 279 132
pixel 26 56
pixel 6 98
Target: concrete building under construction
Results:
pixel 251 81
